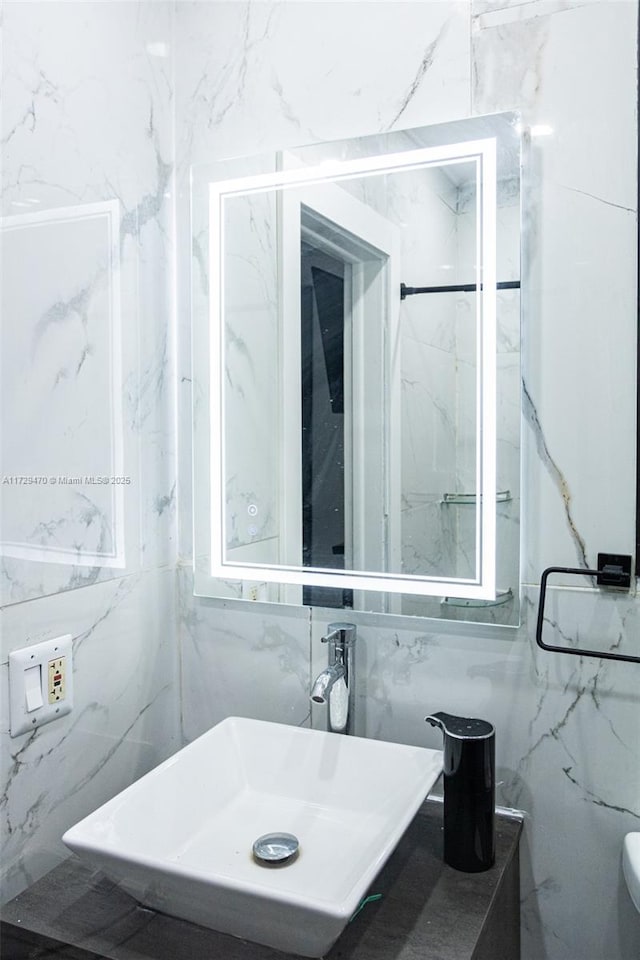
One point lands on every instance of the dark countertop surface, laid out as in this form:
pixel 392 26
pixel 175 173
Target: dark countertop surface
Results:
pixel 428 911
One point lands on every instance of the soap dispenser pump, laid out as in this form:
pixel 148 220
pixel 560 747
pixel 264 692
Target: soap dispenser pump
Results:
pixel 469 791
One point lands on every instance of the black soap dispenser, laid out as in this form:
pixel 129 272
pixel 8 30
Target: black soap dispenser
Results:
pixel 469 791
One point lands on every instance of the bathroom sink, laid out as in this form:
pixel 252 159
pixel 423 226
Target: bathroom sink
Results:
pixel 180 839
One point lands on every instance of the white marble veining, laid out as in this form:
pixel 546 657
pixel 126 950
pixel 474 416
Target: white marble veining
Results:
pixel 566 746
pixel 87 354
pixel 71 349
pixel 252 394
pixel 583 490
pixel 428 369
pixel 125 717
pixel 249 80
pixel 88 106
pixel 246 84
pixel 88 390
pixel 239 661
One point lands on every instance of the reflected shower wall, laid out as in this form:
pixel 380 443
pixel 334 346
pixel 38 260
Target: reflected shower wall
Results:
pixel 443 525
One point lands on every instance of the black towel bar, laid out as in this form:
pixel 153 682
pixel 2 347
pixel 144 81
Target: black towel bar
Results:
pixel 406 291
pixel 613 571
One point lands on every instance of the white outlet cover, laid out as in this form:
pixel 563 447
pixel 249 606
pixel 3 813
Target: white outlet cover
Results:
pixel 39 654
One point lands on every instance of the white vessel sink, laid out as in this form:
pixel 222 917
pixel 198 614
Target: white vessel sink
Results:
pixel 180 839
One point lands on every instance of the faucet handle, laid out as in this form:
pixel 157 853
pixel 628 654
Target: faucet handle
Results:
pixel 345 633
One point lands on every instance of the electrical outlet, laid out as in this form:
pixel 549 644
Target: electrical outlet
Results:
pixel 57 680
pixel 40 684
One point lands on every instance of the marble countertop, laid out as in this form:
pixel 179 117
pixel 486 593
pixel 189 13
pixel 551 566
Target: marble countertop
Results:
pixel 427 910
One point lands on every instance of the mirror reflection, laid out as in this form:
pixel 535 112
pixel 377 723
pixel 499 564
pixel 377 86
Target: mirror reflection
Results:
pixel 354 369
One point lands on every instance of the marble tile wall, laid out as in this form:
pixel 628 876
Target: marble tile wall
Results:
pixel 125 718
pixel 508 394
pixel 246 80
pixel 251 394
pixel 566 726
pixel 86 241
pixel 566 735
pixel 429 437
pixel 241 659
pixel 573 281
pixel 245 85
pixel 87 390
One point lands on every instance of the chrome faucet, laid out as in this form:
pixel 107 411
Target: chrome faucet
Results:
pixel 335 685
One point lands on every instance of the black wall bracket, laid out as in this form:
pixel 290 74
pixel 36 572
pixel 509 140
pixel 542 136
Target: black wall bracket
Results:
pixel 614 570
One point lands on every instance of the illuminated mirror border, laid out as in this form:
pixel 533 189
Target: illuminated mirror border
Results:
pixel 483 587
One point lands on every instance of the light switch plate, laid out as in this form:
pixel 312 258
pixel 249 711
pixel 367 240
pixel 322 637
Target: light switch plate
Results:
pixel 21 718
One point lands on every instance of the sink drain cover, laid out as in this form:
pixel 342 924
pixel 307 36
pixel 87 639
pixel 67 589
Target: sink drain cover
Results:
pixel 276 849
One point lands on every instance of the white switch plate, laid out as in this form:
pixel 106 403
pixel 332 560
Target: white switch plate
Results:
pixel 22 719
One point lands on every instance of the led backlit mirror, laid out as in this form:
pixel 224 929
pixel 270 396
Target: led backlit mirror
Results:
pixel 356 329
